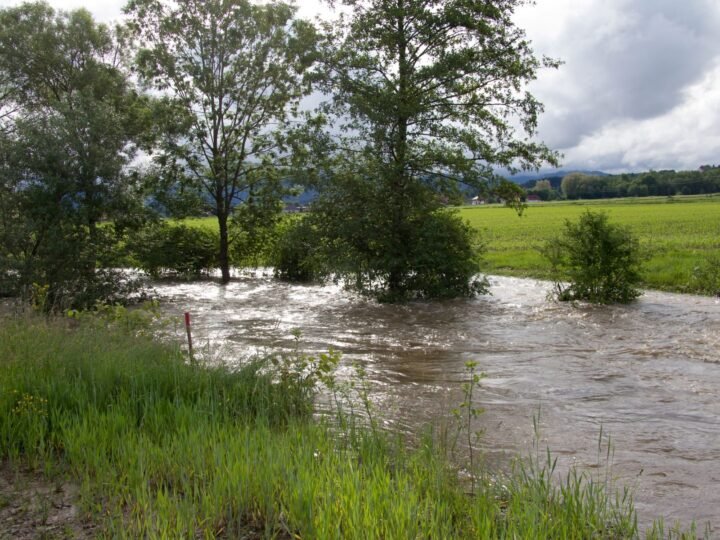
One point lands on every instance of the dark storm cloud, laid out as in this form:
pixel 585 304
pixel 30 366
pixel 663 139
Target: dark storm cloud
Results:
pixel 624 60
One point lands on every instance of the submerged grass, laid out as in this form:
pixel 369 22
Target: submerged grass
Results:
pixel 165 449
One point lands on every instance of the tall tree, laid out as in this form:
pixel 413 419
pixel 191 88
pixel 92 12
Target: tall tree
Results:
pixel 73 126
pixel 429 94
pixel 235 71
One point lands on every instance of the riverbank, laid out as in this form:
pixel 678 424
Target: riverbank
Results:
pixel 159 447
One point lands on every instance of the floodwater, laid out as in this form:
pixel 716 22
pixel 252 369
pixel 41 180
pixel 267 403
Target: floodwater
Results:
pixel 647 375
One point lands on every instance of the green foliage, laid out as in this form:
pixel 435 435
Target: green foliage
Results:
pixel 706 276
pixel 511 194
pixel 161 249
pixel 417 255
pixel 571 183
pixel 254 226
pixel 679 235
pixel 445 259
pixel 297 255
pixel 542 185
pixel 83 375
pixel 544 190
pixel 599 260
pixel 143 320
pixel 76 124
pixel 410 80
pixel 646 184
pixel 402 69
pixel 466 413
pixel 168 196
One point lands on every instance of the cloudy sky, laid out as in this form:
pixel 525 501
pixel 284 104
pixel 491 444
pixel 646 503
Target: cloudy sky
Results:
pixel 639 89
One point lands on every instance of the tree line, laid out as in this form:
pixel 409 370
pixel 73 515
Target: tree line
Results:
pixel 206 106
pixel 574 186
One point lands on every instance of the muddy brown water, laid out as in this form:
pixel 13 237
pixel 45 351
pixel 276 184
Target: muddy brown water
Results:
pixel 647 374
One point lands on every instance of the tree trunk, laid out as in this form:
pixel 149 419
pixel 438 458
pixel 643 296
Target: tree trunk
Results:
pixel 399 269
pixel 224 257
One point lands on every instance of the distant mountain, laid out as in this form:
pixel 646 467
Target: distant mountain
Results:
pixel 525 178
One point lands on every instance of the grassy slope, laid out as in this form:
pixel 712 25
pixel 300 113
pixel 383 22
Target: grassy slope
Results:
pixel 164 449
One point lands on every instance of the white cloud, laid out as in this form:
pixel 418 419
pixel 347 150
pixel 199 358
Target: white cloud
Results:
pixel 683 138
pixel 308 9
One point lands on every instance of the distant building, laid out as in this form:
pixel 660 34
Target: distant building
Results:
pixel 477 201
pixel 533 198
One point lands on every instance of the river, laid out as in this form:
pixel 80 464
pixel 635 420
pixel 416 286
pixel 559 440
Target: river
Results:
pixel 647 374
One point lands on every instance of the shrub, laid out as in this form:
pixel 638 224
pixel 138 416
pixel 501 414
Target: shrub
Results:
pixel 599 261
pixel 446 259
pixel 75 268
pixel 161 249
pixel 442 260
pixel 297 257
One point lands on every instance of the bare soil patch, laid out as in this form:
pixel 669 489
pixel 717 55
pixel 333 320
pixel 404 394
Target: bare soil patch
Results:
pixel 34 507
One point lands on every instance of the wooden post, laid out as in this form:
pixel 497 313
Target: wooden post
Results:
pixel 189 336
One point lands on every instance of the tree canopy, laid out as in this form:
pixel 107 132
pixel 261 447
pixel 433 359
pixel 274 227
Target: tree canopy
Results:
pixel 73 124
pixel 650 183
pixel 423 97
pixel 426 95
pixel 234 71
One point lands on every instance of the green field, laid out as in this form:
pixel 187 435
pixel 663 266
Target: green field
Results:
pixel 678 233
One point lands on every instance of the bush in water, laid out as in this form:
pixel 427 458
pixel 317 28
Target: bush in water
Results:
pixel 296 256
pixel 599 261
pixel 446 260
pixel 161 249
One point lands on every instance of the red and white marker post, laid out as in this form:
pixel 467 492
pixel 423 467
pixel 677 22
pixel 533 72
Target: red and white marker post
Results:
pixel 189 336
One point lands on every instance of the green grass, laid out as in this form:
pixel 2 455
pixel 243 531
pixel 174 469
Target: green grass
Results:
pixel 678 234
pixel 208 223
pixel 163 449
